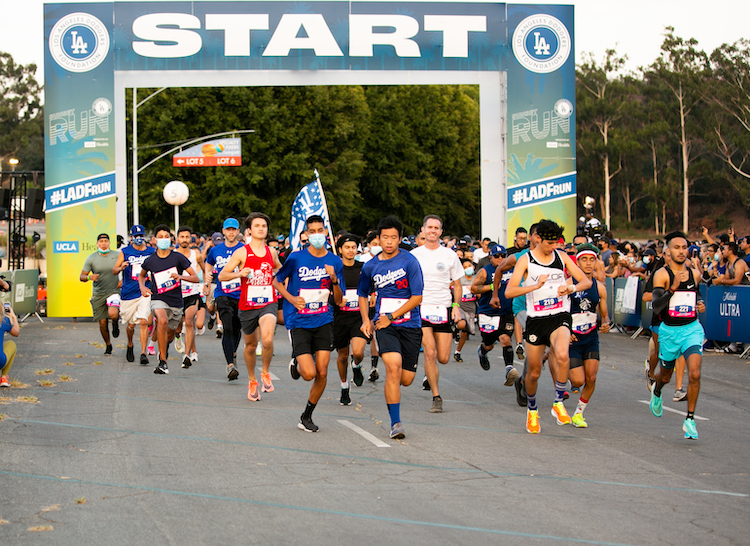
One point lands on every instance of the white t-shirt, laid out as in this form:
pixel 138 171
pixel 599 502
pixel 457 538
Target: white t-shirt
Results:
pixel 479 254
pixel 439 268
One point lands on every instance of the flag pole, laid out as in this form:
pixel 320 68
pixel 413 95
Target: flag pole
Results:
pixel 328 214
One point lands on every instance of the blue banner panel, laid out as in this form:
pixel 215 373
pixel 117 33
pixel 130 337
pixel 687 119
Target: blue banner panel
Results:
pixel 728 313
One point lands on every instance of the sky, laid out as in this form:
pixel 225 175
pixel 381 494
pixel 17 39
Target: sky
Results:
pixel 632 27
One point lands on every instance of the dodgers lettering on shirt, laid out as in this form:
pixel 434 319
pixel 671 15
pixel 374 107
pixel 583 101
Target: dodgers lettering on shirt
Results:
pixel 308 278
pixel 134 258
pixel 218 257
pixel 395 280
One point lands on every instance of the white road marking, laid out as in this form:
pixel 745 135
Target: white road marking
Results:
pixel 273 376
pixel 678 412
pixel 366 435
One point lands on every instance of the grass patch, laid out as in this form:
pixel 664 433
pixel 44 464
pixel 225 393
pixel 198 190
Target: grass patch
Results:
pixel 45 371
pixel 28 398
pixel 46 383
pixel 79 356
pixel 82 500
pixel 2 416
pixel 66 378
pixel 68 364
pixel 16 384
pixel 40 528
pixel 5 399
pixel 98 363
pixel 4 521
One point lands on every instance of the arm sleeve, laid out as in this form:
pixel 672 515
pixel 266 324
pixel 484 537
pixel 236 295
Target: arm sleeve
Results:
pixel 660 299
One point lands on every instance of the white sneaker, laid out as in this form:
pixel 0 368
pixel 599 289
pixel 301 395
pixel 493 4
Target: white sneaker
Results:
pixel 194 356
pixel 201 330
pixel 178 344
pixel 259 350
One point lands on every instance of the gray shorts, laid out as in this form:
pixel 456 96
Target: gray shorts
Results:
pixel 174 314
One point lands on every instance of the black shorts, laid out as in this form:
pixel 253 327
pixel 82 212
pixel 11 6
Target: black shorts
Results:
pixel 249 319
pixel 444 328
pixel 346 326
pixel 189 301
pixel 405 341
pixel 539 329
pixel 505 328
pixel 308 341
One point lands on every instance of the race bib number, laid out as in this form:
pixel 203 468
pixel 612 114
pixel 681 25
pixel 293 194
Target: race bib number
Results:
pixel 316 300
pixel 352 300
pixel 682 305
pixel 546 298
pixel 231 286
pixel 583 323
pixel 135 271
pixel 434 314
pixel 389 305
pixel 164 281
pixel 488 324
pixel 466 294
pixel 260 296
pixel 113 300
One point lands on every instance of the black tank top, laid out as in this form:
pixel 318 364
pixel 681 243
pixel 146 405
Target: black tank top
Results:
pixel 681 309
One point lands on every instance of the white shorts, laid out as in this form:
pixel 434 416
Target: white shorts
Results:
pixel 131 311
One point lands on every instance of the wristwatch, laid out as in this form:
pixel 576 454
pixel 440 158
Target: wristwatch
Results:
pixel 389 316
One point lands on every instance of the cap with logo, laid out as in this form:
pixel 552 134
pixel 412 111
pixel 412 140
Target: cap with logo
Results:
pixel 497 250
pixel 137 229
pixel 217 238
pixel 230 223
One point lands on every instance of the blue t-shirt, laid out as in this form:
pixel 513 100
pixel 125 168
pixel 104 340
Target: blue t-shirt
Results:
pixel 395 280
pixel 5 326
pixel 218 257
pixel 135 258
pixel 308 278
pixel 483 304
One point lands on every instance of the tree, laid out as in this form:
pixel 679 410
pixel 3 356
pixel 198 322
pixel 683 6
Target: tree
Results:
pixel 21 119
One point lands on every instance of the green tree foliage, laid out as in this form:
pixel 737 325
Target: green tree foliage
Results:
pixel 21 119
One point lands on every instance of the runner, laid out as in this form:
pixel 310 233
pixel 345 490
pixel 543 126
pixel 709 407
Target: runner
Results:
pixel 542 271
pixel 680 334
pixel 396 276
pixel 105 296
pixel 134 307
pixel 439 307
pixel 372 243
pixel 584 341
pixel 468 308
pixel 495 323
pixel 347 321
pixel 226 294
pixel 191 295
pixel 254 264
pixel 313 274
pixel 166 268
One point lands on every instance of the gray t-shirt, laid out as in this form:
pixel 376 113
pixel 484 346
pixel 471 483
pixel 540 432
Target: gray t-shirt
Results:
pixel 103 264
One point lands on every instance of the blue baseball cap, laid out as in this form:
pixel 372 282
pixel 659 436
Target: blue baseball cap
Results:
pixel 498 249
pixel 231 223
pixel 137 229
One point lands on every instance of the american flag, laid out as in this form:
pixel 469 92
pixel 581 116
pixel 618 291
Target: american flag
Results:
pixel 309 201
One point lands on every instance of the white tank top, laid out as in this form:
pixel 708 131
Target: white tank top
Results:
pixel 545 301
pixel 191 288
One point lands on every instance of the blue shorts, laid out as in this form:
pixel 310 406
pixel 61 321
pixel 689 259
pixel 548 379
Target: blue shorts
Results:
pixel 586 348
pixel 674 341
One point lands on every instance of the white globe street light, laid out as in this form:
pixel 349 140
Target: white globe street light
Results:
pixel 176 193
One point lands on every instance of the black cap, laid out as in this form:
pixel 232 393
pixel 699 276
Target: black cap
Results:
pixel 102 236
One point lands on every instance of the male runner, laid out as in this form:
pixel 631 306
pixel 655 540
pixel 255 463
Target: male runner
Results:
pixel 542 271
pixel 584 344
pixel 495 323
pixel 372 243
pixel 105 297
pixel 396 276
pixel 134 307
pixel 439 307
pixel 347 321
pixel 676 292
pixel 226 294
pixel 166 268
pixel 254 264
pixel 313 274
pixel 191 294
pixel 468 307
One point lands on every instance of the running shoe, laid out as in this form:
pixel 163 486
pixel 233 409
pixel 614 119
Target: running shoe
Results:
pixel 306 424
pixel 510 376
pixel 5 382
pixel 144 359
pixel 108 350
pixel 437 405
pixel 691 433
pixel 252 391
pixel 679 395
pixel 655 405
pixel 293 371
pixel 202 330
pixel 150 350
pixel 484 362
pixel 520 392
pixel 116 328
pixel 649 382
pixel 374 375
pixel 425 384
pixel 219 331
pixel 578 421
pixel 520 355
pixel 186 362
pixel 532 421
pixel 397 431
pixel 559 413
pixel 566 395
pixel 211 321
pixel 129 355
pixel 178 344
pixel 266 385
pixel 232 372
pixel 345 400
pixel 162 368
pixel 457 357
pixel 259 350
pixel 194 356
pixel 357 375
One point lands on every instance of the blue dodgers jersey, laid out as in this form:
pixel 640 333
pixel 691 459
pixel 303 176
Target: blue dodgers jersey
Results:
pixel 395 281
pixel 218 257
pixel 130 289
pixel 308 278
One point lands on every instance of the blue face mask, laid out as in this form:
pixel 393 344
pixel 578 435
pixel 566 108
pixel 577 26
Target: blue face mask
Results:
pixel 163 244
pixel 139 240
pixel 469 271
pixel 317 240
pixel 717 256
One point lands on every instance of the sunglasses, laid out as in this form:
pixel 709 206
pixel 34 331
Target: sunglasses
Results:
pixel 499 255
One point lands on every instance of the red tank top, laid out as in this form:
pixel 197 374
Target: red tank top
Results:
pixel 256 290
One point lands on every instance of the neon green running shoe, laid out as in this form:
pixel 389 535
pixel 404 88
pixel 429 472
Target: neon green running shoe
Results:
pixel 691 433
pixel 578 421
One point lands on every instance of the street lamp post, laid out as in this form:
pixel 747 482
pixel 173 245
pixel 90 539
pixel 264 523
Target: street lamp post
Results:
pixel 136 105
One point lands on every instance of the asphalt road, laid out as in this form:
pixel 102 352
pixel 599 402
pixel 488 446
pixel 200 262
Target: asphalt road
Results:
pixel 120 455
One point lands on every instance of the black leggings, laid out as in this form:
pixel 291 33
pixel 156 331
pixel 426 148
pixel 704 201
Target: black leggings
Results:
pixel 230 320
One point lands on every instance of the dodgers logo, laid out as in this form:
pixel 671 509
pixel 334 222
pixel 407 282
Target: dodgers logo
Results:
pixel 79 42
pixel 541 43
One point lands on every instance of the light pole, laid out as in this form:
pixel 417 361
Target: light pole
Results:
pixel 135 148
pixel 13 162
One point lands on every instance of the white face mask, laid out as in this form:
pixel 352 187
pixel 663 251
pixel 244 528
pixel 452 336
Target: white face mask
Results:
pixel 374 250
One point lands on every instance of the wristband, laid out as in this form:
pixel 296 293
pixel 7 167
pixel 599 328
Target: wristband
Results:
pixel 492 286
pixel 454 304
pixel 89 275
